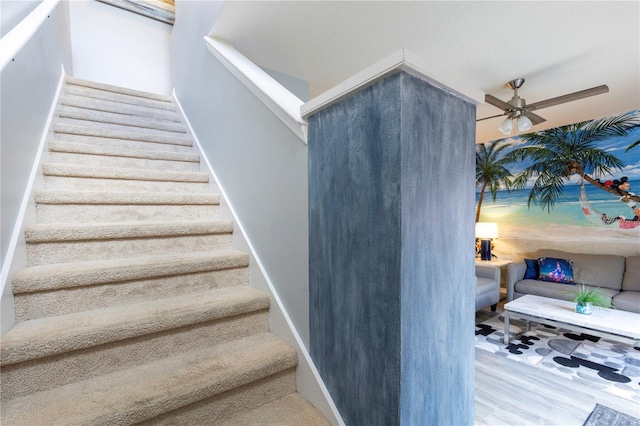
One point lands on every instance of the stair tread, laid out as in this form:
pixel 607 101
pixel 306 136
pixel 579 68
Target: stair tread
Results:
pixel 72 170
pixel 92 93
pixel 106 117
pixel 48 232
pixel 289 410
pixel 122 127
pixel 70 80
pixel 91 149
pixel 96 104
pixel 42 337
pixel 121 198
pixel 143 392
pixel 69 275
pixel 119 134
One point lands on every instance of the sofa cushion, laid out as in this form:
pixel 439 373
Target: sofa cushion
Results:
pixel 631 280
pixel 627 301
pixel 598 270
pixel 554 290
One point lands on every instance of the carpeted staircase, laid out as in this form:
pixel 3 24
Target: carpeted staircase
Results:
pixel 134 307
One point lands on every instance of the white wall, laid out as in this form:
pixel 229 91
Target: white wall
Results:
pixel 14 11
pixel 28 86
pixel 115 46
pixel 261 166
pixel 297 86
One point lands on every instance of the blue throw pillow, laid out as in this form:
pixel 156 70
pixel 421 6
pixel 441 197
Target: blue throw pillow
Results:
pixel 532 271
pixel 555 270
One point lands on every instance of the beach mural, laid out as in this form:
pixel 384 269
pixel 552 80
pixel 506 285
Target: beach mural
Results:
pixel 578 182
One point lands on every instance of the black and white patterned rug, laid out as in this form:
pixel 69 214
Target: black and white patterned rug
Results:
pixel 609 365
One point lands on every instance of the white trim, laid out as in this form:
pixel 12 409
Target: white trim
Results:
pixel 301 348
pixel 28 192
pixel 402 60
pixel 15 39
pixel 284 104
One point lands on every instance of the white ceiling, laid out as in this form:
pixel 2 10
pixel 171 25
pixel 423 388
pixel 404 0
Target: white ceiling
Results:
pixel 558 47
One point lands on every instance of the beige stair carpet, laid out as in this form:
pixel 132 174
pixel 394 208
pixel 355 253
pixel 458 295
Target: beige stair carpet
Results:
pixel 134 308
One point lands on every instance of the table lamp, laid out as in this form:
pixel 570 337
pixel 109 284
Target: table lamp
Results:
pixel 485 232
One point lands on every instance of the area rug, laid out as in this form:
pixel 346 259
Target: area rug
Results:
pixel 605 364
pixel 605 416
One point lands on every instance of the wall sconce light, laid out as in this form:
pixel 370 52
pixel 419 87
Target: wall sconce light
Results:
pixel 485 232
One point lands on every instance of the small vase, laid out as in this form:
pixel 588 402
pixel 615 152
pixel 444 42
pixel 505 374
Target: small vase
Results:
pixel 584 308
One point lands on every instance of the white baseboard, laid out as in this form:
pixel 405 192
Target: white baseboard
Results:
pixel 308 380
pixel 16 257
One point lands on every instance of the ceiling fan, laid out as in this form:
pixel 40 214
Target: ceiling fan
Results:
pixel 519 111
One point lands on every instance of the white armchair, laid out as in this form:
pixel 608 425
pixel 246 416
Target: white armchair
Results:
pixel 487 286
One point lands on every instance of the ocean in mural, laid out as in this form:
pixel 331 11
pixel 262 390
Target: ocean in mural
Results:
pixel 510 208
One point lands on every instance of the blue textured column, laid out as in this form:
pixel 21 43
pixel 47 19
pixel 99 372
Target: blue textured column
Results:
pixel 392 287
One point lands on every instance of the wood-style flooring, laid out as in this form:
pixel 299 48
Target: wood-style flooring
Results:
pixel 508 392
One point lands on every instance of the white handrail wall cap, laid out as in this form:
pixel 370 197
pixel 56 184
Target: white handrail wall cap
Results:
pixel 276 97
pixel 418 66
pixel 15 39
pixel 401 60
pixel 283 97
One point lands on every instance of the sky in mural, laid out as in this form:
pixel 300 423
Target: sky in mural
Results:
pixel 510 208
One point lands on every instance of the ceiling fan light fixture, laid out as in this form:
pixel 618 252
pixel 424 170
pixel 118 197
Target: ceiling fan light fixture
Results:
pixel 517 107
pixel 524 123
pixel 507 126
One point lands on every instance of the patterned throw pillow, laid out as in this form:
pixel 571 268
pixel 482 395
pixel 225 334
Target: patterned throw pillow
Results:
pixel 555 270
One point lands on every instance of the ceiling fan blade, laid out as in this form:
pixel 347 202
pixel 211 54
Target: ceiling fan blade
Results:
pixel 490 99
pixel 567 98
pixel 493 116
pixel 535 119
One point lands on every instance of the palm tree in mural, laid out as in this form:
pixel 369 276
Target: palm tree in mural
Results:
pixel 561 152
pixel 491 170
pixel 633 145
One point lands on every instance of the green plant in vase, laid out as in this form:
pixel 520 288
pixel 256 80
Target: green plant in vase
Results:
pixel 586 298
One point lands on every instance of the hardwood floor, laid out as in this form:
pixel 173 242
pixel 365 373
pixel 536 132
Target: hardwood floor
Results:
pixel 508 392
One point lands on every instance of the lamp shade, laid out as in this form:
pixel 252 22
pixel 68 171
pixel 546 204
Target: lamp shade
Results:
pixel 507 126
pixel 486 230
pixel 524 123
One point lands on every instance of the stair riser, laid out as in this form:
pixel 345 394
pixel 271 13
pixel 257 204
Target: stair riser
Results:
pixel 122 143
pixel 56 146
pixel 121 185
pixel 99 213
pixel 79 82
pixel 116 97
pixel 122 162
pixel 27 377
pixel 107 106
pixel 77 251
pixel 118 127
pixel 102 117
pixel 226 405
pixel 128 134
pixel 77 299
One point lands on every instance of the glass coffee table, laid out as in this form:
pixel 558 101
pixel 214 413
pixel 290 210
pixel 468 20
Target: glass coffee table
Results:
pixel 612 323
